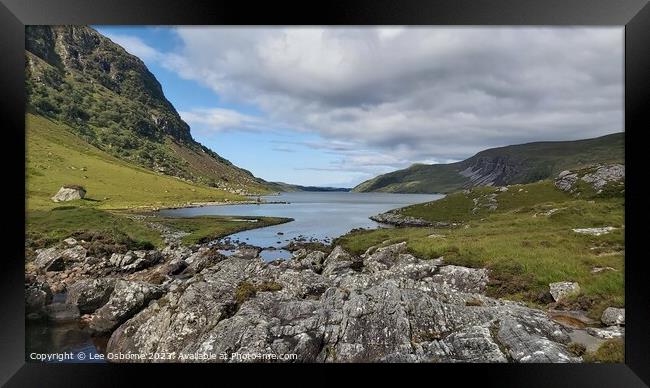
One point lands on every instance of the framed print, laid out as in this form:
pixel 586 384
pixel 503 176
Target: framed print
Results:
pixel 441 188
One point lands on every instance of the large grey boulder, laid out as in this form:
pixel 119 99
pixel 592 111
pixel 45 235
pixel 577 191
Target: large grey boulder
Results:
pixel 598 177
pixel 605 175
pixel 462 278
pixel 613 316
pixel 90 294
pixel 133 261
pixel 69 193
pixel 203 258
pixel 55 259
pixel 312 261
pixel 125 301
pixel 337 262
pixel 566 181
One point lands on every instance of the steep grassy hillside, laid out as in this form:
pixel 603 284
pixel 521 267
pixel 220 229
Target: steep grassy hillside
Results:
pixel 524 163
pixel 55 156
pixel 109 98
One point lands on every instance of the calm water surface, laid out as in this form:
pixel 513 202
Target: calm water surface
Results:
pixel 320 216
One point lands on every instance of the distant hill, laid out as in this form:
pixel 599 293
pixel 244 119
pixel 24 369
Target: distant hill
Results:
pixel 523 163
pixel 108 98
pixel 287 187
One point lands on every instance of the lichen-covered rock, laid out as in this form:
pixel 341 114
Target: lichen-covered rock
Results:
pixel 312 260
pixel 90 294
pixel 56 259
pixel 561 290
pixel 605 175
pixel 135 260
pixel 462 278
pixel 125 301
pixel 606 333
pixel 613 316
pixel 599 177
pixel 384 257
pixel 594 231
pixel 397 219
pixel 475 344
pixel 205 257
pixel 388 308
pixel 338 261
pixel 566 181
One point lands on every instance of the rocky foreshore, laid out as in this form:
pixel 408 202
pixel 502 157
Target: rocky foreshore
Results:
pixel 396 219
pixel 383 306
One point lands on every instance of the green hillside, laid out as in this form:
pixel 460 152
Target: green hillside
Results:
pixel 514 164
pixel 55 156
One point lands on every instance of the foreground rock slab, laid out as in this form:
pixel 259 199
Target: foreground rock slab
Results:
pixel 126 299
pixel 385 306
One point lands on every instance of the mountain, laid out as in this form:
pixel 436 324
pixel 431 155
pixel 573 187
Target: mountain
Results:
pixel 523 163
pixel 108 97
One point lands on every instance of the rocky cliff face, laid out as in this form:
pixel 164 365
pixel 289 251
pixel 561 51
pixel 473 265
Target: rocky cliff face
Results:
pixel 80 49
pixel 111 100
pixel 485 171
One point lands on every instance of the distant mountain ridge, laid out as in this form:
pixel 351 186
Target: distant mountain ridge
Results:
pixel 287 187
pixel 523 163
pixel 110 99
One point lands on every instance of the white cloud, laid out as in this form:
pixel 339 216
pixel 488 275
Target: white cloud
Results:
pixel 135 46
pixel 403 94
pixel 219 119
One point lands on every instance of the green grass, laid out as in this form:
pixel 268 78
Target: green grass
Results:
pixel 524 249
pixel 48 226
pixel 56 157
pixel 206 228
pixel 247 290
pixel 611 351
pixel 457 207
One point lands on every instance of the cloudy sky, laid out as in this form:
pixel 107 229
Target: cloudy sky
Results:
pixel 337 106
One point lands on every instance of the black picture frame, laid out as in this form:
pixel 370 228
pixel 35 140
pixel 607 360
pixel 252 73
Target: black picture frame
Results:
pixel 633 14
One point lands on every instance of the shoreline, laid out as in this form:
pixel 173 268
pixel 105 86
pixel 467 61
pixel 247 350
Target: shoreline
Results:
pixel 194 205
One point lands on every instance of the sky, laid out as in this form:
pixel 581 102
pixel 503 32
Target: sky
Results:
pixel 333 106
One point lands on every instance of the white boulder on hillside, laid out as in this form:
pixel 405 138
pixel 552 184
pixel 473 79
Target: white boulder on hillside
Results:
pixel 69 193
